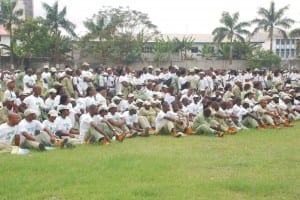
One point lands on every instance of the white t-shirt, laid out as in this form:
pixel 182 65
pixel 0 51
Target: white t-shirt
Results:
pixel 7 133
pixel 116 117
pixel 100 100
pixel 90 101
pixel 130 119
pixel 9 95
pixel 78 82
pixel 85 74
pixel 45 75
pixel 30 80
pixel 30 127
pixel 159 121
pixel 51 104
pixel 52 126
pixel 64 124
pixel 35 103
pixel 85 125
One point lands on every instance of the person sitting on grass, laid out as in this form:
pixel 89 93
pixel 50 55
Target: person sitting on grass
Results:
pixel 90 132
pixel 9 133
pixel 204 124
pixel 132 122
pixel 34 134
pixel 165 124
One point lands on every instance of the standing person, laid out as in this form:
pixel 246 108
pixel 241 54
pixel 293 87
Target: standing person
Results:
pixel 45 76
pixel 28 81
pixel 77 84
pixel 8 133
pixel 86 76
pixel 67 82
pixel 35 101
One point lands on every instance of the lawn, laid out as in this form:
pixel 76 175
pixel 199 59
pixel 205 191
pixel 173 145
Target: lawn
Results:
pixel 249 165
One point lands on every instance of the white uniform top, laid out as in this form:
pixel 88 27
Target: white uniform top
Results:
pixel 7 133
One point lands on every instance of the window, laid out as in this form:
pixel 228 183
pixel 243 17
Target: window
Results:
pixel 194 49
pixel 293 41
pixel 277 41
pixel 287 41
pixel 147 49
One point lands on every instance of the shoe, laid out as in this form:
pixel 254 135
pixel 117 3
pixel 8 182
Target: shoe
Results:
pixel 286 123
pixel 220 134
pixel 189 131
pixel 265 126
pixel 104 142
pixel 91 140
pixel 120 138
pixel 70 145
pixel 176 134
pixel 146 132
pixel 42 147
pixel 276 127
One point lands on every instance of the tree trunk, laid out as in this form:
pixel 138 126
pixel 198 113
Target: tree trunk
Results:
pixel 230 53
pixel 11 57
pixel 271 42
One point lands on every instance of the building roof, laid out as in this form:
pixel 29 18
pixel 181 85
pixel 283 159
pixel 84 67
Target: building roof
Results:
pixel 208 38
pixel 3 31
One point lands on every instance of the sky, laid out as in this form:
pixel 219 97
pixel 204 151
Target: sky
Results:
pixel 173 16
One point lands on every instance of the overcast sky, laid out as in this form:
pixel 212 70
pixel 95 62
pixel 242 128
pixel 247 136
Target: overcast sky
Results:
pixel 172 16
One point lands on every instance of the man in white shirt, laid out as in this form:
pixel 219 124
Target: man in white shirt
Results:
pixel 164 123
pixel 90 132
pixel 45 76
pixel 33 133
pixel 86 76
pixel 100 96
pixel 132 121
pixel 8 132
pixel 28 81
pixel 35 101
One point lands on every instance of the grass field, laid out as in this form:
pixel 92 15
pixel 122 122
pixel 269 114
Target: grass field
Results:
pixel 249 165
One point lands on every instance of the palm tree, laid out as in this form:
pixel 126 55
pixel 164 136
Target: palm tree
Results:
pixel 295 33
pixel 56 21
pixel 8 18
pixel 233 30
pixel 272 20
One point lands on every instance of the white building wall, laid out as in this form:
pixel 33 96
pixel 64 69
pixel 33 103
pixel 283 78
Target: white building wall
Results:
pixel 6 41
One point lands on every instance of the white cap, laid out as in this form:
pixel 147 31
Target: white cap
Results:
pixel 112 105
pixel 132 107
pixel 130 95
pixel 29 112
pixel 53 69
pixel 52 113
pixel 85 64
pixel 63 107
pixel 52 90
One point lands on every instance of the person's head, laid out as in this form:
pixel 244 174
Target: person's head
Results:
pixel 196 99
pixel 103 111
pixel 10 84
pixel 13 119
pixel 215 105
pixel 37 90
pixel 29 71
pixel 102 91
pixel 64 100
pixel 112 108
pixel 175 106
pixel 90 91
pixel 52 93
pixel 165 107
pixel 64 111
pixel 147 105
pixel 228 87
pixel 207 112
pixel 93 110
pixel 29 115
pixel 185 101
pixel 132 110
pixel 263 103
pixel 52 115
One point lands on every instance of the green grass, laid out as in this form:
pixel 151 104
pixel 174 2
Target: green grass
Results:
pixel 249 165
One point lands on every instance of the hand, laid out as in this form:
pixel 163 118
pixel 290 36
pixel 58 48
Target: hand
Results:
pixel 52 139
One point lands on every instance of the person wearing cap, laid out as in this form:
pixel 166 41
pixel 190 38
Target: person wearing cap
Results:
pixel 9 133
pixel 65 124
pixel 195 106
pixel 45 76
pixel 77 84
pixel 203 124
pixel 132 122
pixel 35 101
pixel 147 116
pixel 86 76
pixel 51 102
pixel 116 119
pixel 266 116
pixel 139 91
pixel 237 89
pixel 33 133
pixel 28 81
pixel 67 82
pixel 111 81
pixel 165 122
pixel 177 112
pixel 90 132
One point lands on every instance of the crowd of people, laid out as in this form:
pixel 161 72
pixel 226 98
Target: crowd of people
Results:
pixel 65 108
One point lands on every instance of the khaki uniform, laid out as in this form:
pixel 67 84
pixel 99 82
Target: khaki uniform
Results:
pixel 68 85
pixel 236 91
pixel 264 117
pixel 3 115
pixel 201 125
pixel 140 94
pixel 147 117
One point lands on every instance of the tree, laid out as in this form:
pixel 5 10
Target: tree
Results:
pixel 120 33
pixel 263 58
pixel 207 52
pixel 183 45
pixel 56 22
pixel 233 30
pixel 272 20
pixel 9 17
pixel 244 50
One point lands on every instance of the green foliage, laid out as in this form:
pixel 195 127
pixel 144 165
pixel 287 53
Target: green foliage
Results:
pixel 272 20
pixel 120 34
pixel 9 17
pixel 244 50
pixel 207 52
pixel 249 165
pixel 183 46
pixel 263 58
pixel 233 30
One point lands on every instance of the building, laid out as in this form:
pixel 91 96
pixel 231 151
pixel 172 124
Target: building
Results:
pixel 27 6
